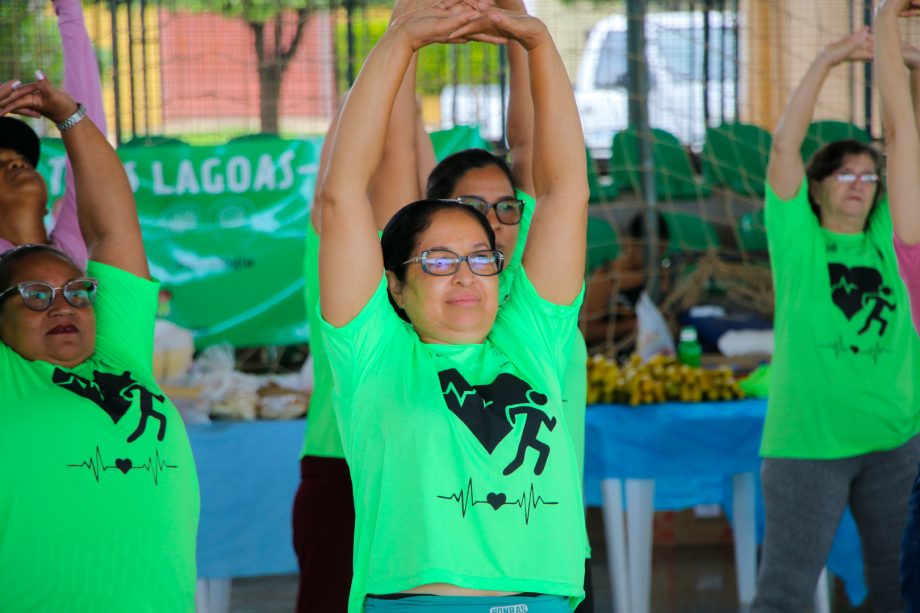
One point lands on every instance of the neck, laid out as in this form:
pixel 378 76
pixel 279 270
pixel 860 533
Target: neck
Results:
pixel 23 230
pixel 844 225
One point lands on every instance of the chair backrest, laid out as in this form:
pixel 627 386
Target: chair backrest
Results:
pixel 735 155
pixel 827 131
pixel 674 176
pixel 689 232
pixel 458 138
pixel 599 191
pixel 752 232
pixel 603 243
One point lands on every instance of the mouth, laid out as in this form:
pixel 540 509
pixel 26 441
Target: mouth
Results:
pixel 63 329
pixel 463 300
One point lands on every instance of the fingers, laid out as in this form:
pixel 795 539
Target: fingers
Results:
pixel 24 96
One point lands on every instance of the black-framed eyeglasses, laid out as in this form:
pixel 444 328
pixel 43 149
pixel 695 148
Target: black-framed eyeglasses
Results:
pixel 443 263
pixel 851 177
pixel 39 296
pixel 508 210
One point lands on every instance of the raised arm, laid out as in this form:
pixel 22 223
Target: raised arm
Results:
pixel 555 254
pixel 107 213
pixel 519 126
pixel 350 260
pixel 81 80
pixel 899 119
pixel 785 169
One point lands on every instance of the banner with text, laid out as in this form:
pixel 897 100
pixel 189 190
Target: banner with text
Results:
pixel 224 231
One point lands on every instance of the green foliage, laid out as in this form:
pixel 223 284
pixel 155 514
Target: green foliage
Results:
pixel 252 11
pixel 30 41
pixel 475 63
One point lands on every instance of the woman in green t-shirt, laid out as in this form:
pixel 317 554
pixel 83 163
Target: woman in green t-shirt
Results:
pixel 98 492
pixel 466 483
pixel 842 419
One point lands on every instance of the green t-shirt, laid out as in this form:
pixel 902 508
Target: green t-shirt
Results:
pixel 461 457
pixel 98 491
pixel 322 436
pixel 845 362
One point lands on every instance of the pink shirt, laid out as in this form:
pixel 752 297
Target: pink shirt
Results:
pixel 81 80
pixel 909 267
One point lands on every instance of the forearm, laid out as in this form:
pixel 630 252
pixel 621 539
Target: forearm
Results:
pixel 361 133
pixel 900 121
pixel 793 124
pixel 107 212
pixel 520 117
pixel 395 181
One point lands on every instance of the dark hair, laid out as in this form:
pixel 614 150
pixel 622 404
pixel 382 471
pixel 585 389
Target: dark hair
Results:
pixel 10 259
pixel 637 227
pixel 400 236
pixel 443 179
pixel 828 159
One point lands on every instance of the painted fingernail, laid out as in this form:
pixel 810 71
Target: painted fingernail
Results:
pixel 39 75
pixel 17 84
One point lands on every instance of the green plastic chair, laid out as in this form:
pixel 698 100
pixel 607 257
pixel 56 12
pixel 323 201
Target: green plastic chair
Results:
pixel 674 176
pixel 600 191
pixel 458 138
pixel 689 232
pixel 735 155
pixel 827 131
pixel 752 232
pixel 603 243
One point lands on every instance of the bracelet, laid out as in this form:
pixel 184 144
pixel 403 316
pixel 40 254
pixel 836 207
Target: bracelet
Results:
pixel 74 119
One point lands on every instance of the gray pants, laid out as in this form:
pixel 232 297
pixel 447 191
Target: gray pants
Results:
pixel 804 501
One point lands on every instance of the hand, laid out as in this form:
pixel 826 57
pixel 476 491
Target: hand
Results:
pixel 404 7
pixel 856 47
pixel 40 98
pixel 904 8
pixel 513 6
pixel 499 26
pixel 434 23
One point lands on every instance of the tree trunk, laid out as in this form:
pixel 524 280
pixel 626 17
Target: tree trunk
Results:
pixel 269 98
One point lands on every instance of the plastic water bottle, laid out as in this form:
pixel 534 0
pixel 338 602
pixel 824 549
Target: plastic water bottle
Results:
pixel 689 351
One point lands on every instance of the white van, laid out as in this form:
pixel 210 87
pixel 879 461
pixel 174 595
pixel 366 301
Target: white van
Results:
pixel 675 52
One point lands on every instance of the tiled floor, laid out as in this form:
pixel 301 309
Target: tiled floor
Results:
pixel 697 579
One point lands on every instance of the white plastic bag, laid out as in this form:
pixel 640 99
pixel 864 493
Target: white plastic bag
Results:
pixel 654 334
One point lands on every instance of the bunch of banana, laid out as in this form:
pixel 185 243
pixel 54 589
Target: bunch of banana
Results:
pixel 660 379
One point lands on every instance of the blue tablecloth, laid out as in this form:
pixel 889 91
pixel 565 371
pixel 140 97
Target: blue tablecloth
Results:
pixel 248 473
pixel 691 450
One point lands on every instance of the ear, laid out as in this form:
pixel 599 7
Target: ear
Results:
pixel 395 288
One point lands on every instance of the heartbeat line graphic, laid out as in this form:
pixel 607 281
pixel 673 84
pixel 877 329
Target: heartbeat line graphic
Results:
pixel 845 285
pixel 839 347
pixel 451 389
pixel 528 501
pixel 95 463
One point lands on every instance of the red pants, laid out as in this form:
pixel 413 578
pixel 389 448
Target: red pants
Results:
pixel 324 527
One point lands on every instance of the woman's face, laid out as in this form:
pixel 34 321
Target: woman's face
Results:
pixel 454 309
pixel 848 203
pixel 491 184
pixel 62 334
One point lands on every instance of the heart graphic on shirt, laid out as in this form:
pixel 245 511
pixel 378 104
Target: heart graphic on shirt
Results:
pixel 849 286
pixel 482 408
pixel 854 349
pixel 496 500
pixel 124 464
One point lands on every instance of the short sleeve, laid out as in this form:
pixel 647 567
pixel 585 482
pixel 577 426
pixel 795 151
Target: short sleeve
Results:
pixel 527 318
pixel 125 313
pixel 375 334
pixel 791 225
pixel 909 268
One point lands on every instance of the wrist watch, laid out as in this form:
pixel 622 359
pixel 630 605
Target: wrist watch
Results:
pixel 74 119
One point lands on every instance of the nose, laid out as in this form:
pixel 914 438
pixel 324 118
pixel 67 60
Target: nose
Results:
pixel 60 306
pixel 463 276
pixel 16 163
pixel 492 218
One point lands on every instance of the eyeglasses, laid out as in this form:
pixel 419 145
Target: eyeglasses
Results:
pixel 508 210
pixel 849 177
pixel 39 296
pixel 442 263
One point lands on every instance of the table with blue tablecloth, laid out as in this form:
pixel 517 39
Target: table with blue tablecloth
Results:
pixel 692 451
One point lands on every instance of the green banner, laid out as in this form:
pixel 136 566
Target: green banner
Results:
pixel 224 232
